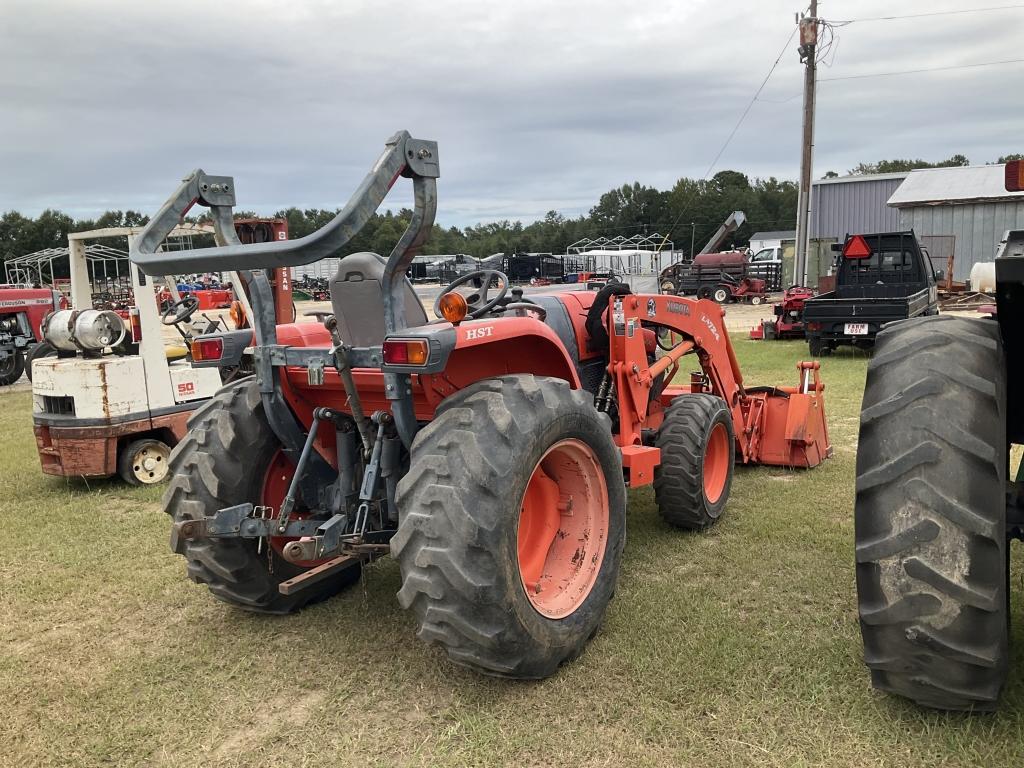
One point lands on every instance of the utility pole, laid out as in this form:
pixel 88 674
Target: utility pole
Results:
pixel 808 52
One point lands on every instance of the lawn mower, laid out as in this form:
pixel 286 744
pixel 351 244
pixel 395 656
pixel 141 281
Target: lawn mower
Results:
pixel 489 450
pixel 789 317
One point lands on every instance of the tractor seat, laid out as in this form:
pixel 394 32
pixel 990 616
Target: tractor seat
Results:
pixel 358 301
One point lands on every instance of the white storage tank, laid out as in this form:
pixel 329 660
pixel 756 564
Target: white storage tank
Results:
pixel 983 277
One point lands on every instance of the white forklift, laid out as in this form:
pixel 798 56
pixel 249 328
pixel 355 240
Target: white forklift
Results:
pixel 117 397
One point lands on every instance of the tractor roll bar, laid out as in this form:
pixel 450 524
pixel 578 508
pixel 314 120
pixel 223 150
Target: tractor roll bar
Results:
pixel 403 156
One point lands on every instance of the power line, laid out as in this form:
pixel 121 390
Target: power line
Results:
pixel 933 13
pixel 917 71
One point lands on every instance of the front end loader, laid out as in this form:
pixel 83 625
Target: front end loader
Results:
pixel 489 450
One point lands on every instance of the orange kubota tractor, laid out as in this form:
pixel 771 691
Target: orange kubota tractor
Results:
pixel 489 450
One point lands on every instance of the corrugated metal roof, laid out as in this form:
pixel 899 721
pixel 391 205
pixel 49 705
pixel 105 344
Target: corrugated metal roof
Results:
pixel 861 177
pixel 788 234
pixel 936 186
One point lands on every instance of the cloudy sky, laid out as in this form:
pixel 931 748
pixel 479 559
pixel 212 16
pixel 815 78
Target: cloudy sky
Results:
pixel 537 105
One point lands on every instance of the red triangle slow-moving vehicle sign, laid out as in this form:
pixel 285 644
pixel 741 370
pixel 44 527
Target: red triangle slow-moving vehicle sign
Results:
pixel 857 248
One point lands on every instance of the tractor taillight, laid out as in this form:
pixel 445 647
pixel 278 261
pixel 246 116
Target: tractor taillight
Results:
pixel 136 323
pixel 406 352
pixel 207 349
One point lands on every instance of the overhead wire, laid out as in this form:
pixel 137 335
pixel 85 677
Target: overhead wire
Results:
pixel 917 71
pixel 954 12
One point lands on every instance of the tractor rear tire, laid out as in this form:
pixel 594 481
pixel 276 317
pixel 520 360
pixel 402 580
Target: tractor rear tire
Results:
pixel 930 516
pixel 721 295
pixel 11 368
pixel 224 460
pixel 698 451
pixel 39 351
pixel 463 523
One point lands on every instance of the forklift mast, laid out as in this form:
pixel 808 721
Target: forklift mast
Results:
pixel 265 231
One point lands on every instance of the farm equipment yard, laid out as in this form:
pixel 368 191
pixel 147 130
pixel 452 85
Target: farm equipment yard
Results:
pixel 597 425
pixel 102 640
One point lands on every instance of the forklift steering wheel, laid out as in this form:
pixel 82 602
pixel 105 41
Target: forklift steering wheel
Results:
pixel 180 311
pixel 481 306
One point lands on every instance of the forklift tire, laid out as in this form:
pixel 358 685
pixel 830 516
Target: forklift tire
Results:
pixel 39 351
pixel 11 368
pixel 930 515
pixel 698 450
pixel 512 525
pixel 144 462
pixel 225 459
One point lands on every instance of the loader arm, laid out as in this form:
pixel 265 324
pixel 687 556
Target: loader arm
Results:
pixel 773 425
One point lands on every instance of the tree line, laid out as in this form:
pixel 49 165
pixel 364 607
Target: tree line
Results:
pixel 685 216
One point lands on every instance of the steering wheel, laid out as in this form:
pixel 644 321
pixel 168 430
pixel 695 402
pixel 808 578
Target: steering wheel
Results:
pixel 481 306
pixel 180 311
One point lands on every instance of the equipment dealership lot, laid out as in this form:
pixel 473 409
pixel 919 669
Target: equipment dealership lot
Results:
pixel 735 646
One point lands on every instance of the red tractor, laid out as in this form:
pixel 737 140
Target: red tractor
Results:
pixel 489 450
pixel 22 310
pixel 789 316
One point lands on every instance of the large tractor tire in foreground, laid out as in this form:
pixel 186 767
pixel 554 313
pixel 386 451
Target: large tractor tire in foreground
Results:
pixel 512 525
pixel 931 513
pixel 230 456
pixel 698 451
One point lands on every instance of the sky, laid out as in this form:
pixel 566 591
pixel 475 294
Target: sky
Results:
pixel 536 105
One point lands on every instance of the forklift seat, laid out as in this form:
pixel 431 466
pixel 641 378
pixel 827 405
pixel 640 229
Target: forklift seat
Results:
pixel 358 301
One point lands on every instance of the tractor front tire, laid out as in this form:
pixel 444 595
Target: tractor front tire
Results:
pixel 11 368
pixel 698 450
pixel 224 460
pixel 930 515
pixel 515 485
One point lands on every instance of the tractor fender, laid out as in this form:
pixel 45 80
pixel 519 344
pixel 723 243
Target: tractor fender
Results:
pixel 489 348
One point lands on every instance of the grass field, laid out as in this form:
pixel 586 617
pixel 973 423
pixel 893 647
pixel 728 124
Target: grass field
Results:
pixel 735 647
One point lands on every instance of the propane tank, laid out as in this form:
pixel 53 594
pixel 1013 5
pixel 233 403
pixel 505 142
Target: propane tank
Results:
pixel 89 330
pixel 983 277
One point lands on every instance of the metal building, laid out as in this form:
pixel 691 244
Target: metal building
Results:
pixel 848 205
pixel 960 211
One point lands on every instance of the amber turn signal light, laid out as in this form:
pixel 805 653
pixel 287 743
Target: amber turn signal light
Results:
pixel 453 307
pixel 237 314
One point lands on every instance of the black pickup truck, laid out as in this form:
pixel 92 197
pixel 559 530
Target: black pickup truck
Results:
pixel 880 278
